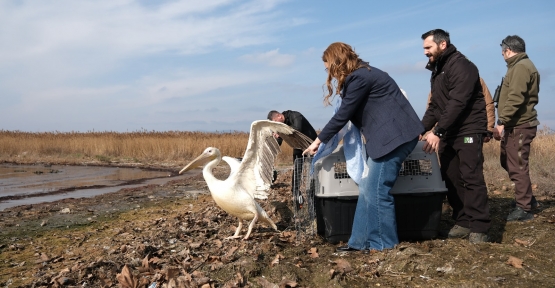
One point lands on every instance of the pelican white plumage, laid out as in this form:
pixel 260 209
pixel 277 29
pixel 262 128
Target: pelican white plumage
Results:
pixel 251 177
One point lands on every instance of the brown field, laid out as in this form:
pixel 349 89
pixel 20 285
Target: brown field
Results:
pixel 113 147
pixel 176 148
pixel 542 163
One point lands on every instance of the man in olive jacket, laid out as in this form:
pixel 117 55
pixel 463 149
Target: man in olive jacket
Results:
pixel 458 108
pixel 517 122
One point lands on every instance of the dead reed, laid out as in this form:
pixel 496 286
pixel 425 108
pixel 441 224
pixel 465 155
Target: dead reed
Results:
pixel 178 147
pixel 542 164
pixel 141 147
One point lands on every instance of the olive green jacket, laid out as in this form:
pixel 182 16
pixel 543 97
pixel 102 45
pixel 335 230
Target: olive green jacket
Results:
pixel 519 92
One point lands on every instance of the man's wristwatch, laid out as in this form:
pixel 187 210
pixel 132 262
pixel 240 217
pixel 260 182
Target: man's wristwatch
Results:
pixel 500 123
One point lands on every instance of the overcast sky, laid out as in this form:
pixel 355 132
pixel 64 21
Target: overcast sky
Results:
pixel 218 65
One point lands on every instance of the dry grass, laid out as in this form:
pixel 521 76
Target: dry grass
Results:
pixel 542 164
pixel 138 147
pixel 148 147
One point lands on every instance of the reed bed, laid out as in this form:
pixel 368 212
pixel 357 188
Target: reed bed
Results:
pixel 542 164
pixel 178 147
pixel 140 146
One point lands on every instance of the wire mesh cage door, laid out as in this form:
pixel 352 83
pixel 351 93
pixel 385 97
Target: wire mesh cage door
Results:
pixel 416 167
pixel 303 199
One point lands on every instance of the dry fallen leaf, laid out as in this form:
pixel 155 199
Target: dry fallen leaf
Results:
pixel 196 245
pixel 44 257
pixel 186 277
pixel 287 236
pixel 276 260
pixel 203 281
pixel 197 274
pixel 172 273
pixel 343 266
pixel 313 252
pixel 239 278
pixel 265 283
pixel 515 262
pixel 228 256
pixel 332 273
pixel 172 283
pixel 218 243
pixel 146 265
pixel 231 251
pixel 126 279
pixel 522 242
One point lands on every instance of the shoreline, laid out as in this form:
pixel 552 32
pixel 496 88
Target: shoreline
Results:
pixel 74 183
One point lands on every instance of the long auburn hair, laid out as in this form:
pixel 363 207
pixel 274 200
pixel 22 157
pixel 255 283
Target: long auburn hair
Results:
pixel 342 61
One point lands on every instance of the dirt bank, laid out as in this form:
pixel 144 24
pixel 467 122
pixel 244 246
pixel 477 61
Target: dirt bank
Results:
pixel 174 235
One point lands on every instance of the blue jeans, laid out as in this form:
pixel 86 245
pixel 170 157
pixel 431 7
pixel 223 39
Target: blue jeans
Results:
pixel 374 225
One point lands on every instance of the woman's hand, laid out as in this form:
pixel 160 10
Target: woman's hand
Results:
pixel 313 148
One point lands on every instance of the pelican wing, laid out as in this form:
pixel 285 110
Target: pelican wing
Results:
pixel 256 170
pixel 233 163
pixel 296 140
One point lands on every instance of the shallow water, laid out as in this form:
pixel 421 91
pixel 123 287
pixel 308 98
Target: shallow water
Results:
pixel 31 184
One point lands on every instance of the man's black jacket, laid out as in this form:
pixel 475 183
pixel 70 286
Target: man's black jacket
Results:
pixel 457 105
pixel 298 122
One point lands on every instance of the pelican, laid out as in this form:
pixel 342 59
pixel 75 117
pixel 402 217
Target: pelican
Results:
pixel 251 177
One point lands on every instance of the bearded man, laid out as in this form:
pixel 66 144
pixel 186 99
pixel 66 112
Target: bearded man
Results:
pixel 458 108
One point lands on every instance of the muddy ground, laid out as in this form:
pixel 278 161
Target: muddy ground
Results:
pixel 173 236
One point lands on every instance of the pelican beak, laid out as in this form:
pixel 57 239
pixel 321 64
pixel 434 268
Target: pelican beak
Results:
pixel 199 161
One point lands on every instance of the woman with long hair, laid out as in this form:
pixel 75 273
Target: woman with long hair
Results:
pixel 373 102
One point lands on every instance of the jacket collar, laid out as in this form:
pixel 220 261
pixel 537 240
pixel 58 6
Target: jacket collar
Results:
pixel 512 61
pixel 436 66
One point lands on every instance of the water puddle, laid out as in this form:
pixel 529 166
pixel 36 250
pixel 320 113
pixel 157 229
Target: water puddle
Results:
pixel 31 184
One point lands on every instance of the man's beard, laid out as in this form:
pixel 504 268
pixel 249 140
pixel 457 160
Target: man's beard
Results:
pixel 436 55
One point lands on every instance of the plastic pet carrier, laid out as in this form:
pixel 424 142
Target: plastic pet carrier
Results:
pixel 419 192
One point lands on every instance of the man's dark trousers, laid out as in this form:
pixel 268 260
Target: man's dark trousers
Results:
pixel 461 161
pixel 297 171
pixel 515 150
